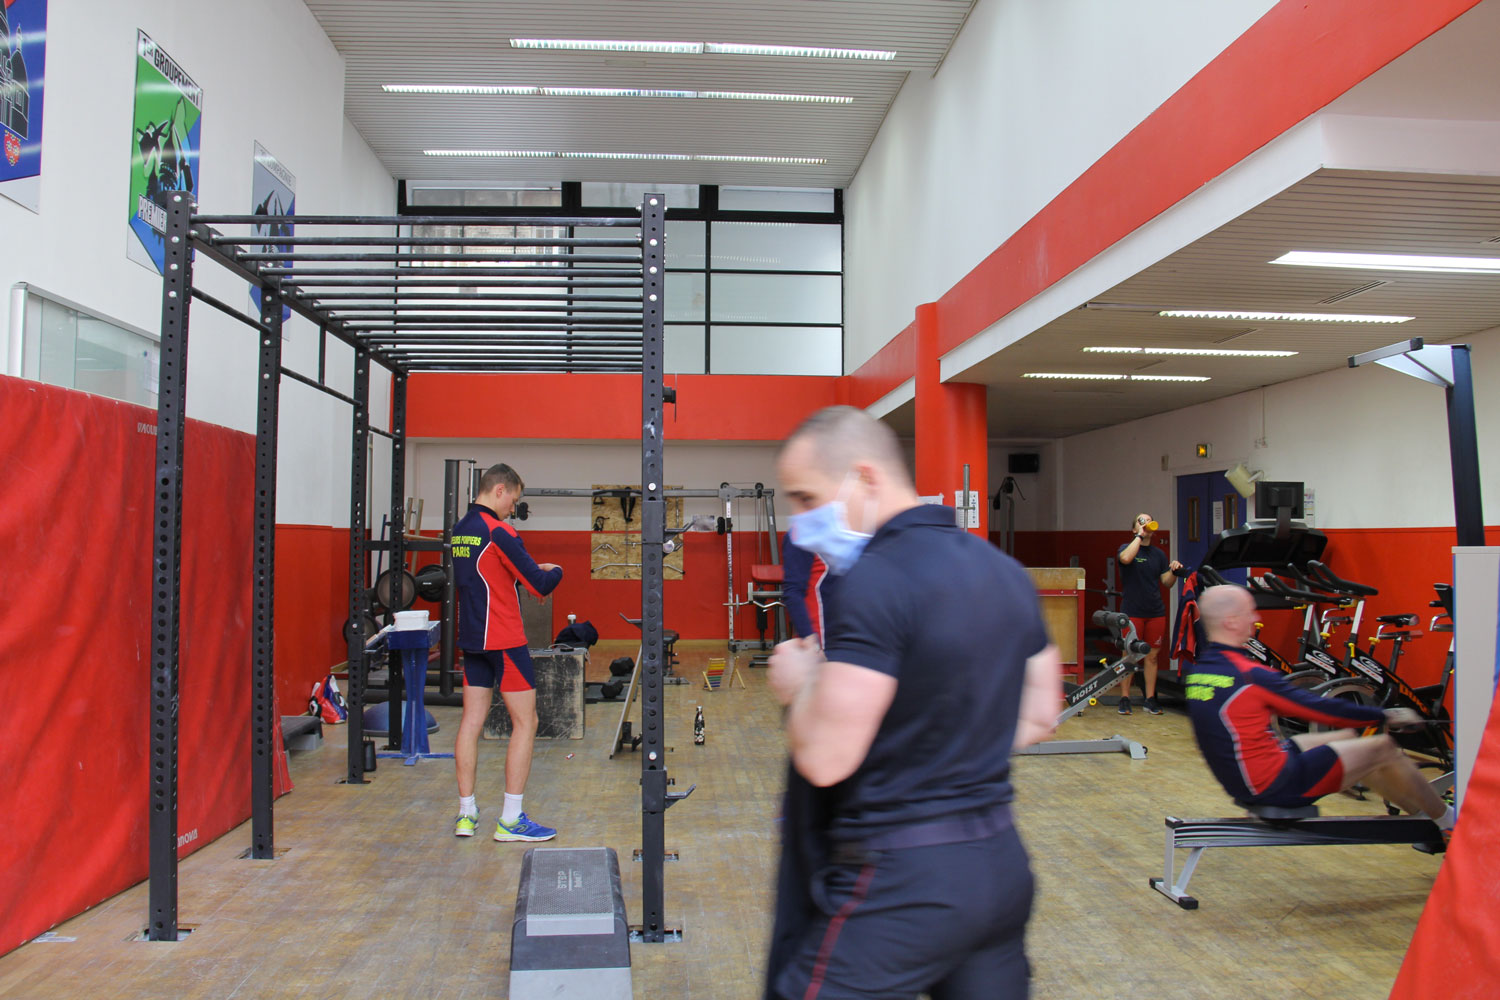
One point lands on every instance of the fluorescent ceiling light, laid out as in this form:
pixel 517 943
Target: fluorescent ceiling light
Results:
pixel 553 154
pixel 1392 262
pixel 1102 377
pixel 506 90
pixel 1280 317
pixel 800 51
pixel 805 160
pixel 1205 352
pixel 603 45
pixel 698 48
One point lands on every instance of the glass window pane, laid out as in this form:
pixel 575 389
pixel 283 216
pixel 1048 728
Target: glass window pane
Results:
pixel 608 195
pixel 778 246
pixel 769 199
pixel 686 295
pixel 685 244
pixel 770 350
pixel 482 197
pixel 777 298
pixel 684 350
pixel 79 351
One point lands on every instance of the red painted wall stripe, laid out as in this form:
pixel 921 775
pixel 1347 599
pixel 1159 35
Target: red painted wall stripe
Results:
pixel 608 407
pixel 886 369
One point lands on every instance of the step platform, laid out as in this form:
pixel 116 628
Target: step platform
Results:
pixel 570 937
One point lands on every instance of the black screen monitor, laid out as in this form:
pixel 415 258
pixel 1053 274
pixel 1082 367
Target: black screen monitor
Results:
pixel 1269 497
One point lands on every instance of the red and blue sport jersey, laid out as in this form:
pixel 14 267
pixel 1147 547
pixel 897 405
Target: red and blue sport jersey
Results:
pixel 1232 699
pixel 490 564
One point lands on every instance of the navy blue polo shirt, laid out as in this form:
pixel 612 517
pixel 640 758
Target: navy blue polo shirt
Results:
pixel 1140 582
pixel 953 619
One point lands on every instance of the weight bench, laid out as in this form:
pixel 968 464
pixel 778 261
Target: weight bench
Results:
pixel 1275 826
pixel 301 732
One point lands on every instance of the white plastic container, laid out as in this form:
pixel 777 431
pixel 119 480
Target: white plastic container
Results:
pixel 410 620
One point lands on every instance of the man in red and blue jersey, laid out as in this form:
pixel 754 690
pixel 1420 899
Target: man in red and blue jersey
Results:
pixel 1232 700
pixel 803 573
pixel 490 565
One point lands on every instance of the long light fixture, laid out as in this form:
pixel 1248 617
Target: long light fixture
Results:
pixel 1392 262
pixel 699 48
pixel 1245 315
pixel 1103 377
pixel 1204 352
pixel 507 90
pixel 812 161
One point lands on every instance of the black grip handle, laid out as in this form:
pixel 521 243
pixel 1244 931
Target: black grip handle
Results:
pixel 1139 646
pixel 1111 619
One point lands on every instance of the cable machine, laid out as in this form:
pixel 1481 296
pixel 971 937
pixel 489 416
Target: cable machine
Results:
pixel 546 303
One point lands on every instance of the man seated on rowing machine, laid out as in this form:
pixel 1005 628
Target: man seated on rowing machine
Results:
pixel 1232 699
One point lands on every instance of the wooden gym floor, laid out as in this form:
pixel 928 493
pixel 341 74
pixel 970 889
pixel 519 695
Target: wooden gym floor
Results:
pixel 374 897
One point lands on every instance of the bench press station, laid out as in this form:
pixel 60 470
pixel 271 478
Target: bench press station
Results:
pixel 1122 631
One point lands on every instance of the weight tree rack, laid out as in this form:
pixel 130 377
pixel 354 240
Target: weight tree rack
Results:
pixel 575 304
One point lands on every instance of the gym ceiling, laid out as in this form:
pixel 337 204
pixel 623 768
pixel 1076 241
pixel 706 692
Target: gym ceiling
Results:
pixel 1352 207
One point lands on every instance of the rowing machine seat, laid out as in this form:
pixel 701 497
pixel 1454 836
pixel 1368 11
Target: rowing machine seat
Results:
pixel 1278 814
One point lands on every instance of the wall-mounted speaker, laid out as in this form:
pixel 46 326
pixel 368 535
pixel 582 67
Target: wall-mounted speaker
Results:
pixel 1024 463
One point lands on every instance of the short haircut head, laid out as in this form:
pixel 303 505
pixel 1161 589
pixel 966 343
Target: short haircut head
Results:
pixel 1218 603
pixel 500 475
pixel 840 436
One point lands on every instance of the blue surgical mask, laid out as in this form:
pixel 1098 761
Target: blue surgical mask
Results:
pixel 825 532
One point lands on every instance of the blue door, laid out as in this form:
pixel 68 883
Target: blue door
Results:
pixel 1206 505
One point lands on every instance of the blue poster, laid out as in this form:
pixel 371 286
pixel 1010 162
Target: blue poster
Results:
pixel 273 194
pixel 23 64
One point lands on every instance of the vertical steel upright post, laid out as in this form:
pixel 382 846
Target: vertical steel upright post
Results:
pixel 653 536
pixel 398 544
pixel 263 596
pixel 448 635
pixel 1463 450
pixel 358 600
pixel 166 566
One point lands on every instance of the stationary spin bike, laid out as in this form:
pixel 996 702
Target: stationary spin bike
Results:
pixel 1133 650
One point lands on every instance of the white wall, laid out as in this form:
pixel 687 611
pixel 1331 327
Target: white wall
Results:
pixel 1029 97
pixel 1373 444
pixel 269 74
pixel 580 465
pixel 1036 495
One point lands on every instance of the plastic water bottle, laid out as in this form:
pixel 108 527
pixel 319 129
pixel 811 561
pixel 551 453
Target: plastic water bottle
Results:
pixel 698 727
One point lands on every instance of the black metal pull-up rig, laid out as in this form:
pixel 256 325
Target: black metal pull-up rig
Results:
pixel 543 302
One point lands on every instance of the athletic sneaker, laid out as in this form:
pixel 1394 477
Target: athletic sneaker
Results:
pixel 1152 708
pixel 1124 708
pixel 465 826
pixel 523 829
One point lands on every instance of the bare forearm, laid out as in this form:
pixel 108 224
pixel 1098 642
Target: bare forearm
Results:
pixel 1129 552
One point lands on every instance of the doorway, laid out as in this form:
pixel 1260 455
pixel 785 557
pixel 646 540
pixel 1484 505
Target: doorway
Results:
pixel 1206 505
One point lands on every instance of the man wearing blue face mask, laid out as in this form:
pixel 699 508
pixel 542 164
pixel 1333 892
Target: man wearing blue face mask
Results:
pixel 935 666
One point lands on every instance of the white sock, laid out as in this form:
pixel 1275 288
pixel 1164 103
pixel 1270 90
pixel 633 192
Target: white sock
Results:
pixel 467 806
pixel 512 810
pixel 1449 819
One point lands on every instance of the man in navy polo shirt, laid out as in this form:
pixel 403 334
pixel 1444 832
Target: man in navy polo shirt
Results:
pixel 936 665
pixel 1144 570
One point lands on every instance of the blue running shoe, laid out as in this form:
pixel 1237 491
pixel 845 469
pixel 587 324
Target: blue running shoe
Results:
pixel 522 828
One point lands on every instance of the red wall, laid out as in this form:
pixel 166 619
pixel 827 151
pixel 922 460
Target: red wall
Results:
pixel 75 641
pixel 608 407
pixel 1403 563
pixel 312 601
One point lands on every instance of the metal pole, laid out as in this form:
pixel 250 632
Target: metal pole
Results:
pixel 1463 450
pixel 447 654
pixel 728 499
pixel 358 601
pixel 171 418
pixel 653 535
pixel 398 546
pixel 263 599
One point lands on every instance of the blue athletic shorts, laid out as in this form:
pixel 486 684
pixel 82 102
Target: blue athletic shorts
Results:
pixel 511 667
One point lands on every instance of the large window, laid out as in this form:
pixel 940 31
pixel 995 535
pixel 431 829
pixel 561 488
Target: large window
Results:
pixel 754 282
pixel 62 344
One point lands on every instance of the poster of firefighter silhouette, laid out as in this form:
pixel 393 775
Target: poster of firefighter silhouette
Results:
pixel 166 134
pixel 273 192
pixel 23 57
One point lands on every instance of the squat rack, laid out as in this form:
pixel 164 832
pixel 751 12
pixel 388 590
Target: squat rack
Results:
pixel 409 303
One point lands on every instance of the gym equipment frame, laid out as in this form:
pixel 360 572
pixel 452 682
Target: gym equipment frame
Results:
pixel 1133 651
pixel 546 303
